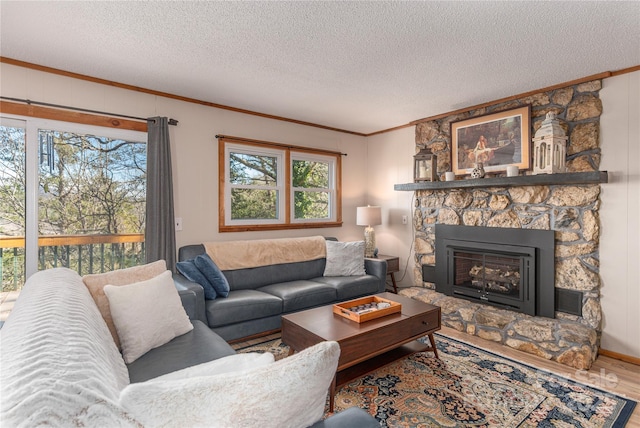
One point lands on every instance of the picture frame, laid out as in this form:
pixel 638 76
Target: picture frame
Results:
pixel 498 140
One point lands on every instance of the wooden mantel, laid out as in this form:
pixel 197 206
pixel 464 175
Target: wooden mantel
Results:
pixel 592 177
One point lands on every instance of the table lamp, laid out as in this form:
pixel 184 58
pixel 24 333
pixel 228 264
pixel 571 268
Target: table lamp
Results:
pixel 369 216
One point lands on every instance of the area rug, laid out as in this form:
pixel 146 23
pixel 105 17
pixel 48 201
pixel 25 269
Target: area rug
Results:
pixel 471 387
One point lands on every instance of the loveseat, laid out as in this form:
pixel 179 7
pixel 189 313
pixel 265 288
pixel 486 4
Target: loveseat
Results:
pixel 60 366
pixel 268 278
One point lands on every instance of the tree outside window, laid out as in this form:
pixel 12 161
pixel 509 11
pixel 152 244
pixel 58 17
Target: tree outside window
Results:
pixel 312 189
pixel 91 193
pixel 266 186
pixel 253 178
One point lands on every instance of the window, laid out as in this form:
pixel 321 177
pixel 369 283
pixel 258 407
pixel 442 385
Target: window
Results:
pixel 256 184
pixel 268 186
pixel 312 187
pixel 70 195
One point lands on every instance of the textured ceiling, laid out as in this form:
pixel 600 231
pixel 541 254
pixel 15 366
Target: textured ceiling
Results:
pixel 359 66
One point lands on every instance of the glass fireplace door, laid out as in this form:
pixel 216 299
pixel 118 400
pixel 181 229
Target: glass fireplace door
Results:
pixel 488 273
pixel 503 275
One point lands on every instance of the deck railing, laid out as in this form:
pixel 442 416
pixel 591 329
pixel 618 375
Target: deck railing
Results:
pixel 83 253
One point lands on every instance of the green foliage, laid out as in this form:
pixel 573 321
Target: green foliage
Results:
pixel 12 180
pixel 257 175
pixel 309 174
pixel 310 204
pixel 87 185
pixel 254 170
pixel 252 204
pixel 91 185
pixel 92 258
pixel 12 268
pixel 255 197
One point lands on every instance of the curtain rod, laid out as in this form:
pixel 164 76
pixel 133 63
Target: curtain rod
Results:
pixel 288 146
pixel 40 103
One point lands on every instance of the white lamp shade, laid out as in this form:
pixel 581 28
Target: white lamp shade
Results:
pixel 368 216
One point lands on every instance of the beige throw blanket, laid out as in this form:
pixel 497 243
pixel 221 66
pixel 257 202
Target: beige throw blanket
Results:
pixel 263 252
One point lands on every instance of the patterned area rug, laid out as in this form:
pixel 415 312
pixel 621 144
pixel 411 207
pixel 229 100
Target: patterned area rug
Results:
pixel 471 387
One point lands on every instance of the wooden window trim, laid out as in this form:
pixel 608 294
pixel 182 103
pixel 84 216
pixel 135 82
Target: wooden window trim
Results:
pixel 287 225
pixel 30 110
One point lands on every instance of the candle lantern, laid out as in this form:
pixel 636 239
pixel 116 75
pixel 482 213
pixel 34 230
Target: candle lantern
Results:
pixel 549 147
pixel 425 165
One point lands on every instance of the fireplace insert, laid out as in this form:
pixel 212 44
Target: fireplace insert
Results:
pixel 508 268
pixel 497 274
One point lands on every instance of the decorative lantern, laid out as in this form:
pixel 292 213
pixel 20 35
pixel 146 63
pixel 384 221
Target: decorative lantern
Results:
pixel 425 165
pixel 549 147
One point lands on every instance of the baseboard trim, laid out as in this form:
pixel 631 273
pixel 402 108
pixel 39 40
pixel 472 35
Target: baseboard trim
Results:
pixel 618 356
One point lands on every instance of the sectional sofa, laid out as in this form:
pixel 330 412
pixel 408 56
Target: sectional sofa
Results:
pixel 60 365
pixel 271 277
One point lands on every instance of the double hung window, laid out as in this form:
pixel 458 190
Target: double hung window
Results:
pixel 266 186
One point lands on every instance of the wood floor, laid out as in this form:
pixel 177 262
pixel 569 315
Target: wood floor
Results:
pixel 606 373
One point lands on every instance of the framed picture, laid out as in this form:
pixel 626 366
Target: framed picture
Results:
pixel 498 140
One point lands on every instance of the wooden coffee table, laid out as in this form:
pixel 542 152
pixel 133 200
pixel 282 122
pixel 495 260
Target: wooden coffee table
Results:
pixel 364 346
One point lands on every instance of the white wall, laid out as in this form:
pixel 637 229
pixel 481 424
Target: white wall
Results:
pixel 195 148
pixel 620 214
pixel 390 161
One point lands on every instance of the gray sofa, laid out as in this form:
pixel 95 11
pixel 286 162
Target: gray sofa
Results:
pixel 259 296
pixel 59 366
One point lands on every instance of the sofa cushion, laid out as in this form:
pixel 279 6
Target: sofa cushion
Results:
pixel 213 274
pixel 147 314
pixel 228 364
pixel 303 294
pixel 350 287
pixel 242 305
pixel 96 282
pixel 291 392
pixel 190 271
pixel 198 346
pixel 344 259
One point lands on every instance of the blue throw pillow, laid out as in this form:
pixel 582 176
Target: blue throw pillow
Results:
pixel 190 271
pixel 213 273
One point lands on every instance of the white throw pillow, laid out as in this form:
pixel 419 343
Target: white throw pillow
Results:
pixel 147 314
pixel 96 282
pixel 291 392
pixel 228 364
pixel 345 259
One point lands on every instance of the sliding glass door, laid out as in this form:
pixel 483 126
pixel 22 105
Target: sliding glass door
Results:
pixel 71 196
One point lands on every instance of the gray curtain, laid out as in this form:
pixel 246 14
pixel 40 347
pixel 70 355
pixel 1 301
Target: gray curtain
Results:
pixel 160 238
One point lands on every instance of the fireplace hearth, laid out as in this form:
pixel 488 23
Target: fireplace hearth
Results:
pixel 509 268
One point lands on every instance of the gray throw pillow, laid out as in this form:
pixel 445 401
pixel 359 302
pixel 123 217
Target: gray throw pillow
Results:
pixel 345 259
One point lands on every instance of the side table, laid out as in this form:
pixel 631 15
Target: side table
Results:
pixel 393 265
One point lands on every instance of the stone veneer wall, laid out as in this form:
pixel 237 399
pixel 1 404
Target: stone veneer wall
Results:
pixel 571 211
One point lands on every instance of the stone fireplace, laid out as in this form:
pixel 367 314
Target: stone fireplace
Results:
pixel 567 211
